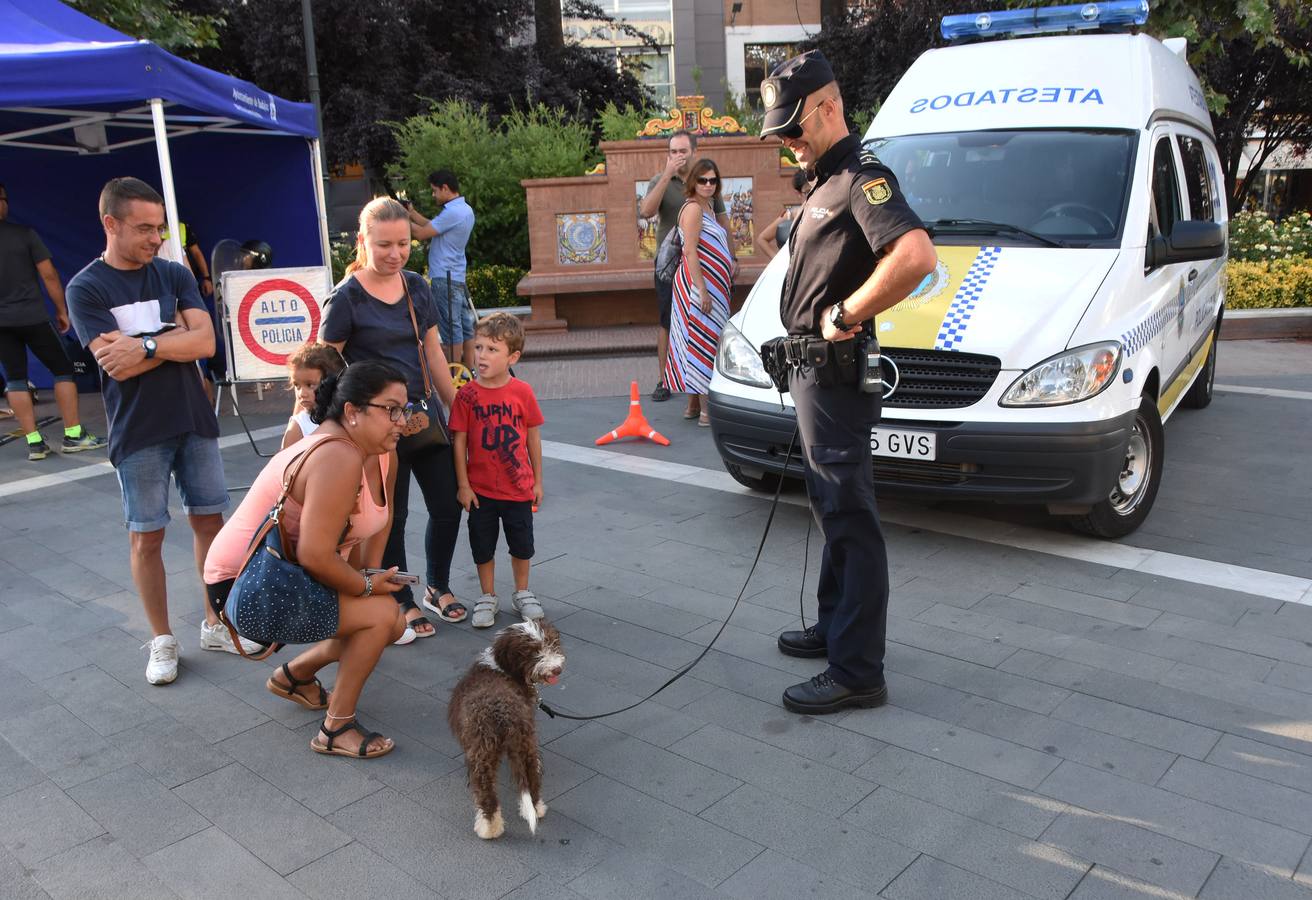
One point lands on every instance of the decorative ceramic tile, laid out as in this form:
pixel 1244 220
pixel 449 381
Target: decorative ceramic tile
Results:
pixel 580 238
pixel 737 196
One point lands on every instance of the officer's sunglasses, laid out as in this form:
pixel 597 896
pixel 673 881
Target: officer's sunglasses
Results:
pixel 795 132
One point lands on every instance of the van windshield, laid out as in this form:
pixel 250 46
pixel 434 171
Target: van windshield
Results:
pixel 1047 188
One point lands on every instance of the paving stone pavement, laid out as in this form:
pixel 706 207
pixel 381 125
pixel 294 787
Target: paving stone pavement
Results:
pixel 1056 729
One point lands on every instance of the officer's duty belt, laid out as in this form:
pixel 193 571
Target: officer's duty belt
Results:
pixel 833 362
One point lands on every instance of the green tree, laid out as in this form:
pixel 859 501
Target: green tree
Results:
pixel 1252 58
pixel 384 63
pixel 161 21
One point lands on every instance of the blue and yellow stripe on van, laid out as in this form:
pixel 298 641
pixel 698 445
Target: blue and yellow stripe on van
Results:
pixel 938 312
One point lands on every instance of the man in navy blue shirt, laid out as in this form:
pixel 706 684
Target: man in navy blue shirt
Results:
pixel 144 320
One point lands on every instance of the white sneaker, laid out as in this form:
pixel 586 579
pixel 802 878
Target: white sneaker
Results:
pixel 527 605
pixel 217 637
pixel 485 612
pixel 163 665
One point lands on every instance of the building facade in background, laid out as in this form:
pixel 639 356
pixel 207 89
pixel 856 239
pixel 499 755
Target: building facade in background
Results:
pixel 709 47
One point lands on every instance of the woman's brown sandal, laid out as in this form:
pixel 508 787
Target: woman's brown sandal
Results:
pixel 290 693
pixel 362 752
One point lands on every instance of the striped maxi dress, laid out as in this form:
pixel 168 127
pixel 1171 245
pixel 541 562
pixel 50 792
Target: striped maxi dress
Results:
pixel 694 334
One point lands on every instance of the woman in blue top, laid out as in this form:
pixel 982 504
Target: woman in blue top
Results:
pixel 368 318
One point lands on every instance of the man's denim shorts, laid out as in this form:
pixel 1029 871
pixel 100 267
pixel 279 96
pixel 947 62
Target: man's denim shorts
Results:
pixel 456 302
pixel 195 465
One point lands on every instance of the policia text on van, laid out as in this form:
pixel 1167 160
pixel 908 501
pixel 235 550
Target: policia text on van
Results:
pixel 1079 289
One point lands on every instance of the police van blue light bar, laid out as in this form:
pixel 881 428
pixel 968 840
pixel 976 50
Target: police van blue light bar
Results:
pixel 1008 22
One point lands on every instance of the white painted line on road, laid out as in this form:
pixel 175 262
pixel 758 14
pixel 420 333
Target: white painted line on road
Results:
pixel 1071 546
pixel 1264 391
pixel 81 473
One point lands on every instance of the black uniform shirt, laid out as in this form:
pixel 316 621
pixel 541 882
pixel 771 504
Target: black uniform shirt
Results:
pixel 854 209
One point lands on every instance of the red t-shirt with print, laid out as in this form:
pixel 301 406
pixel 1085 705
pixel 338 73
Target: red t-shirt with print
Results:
pixel 497 421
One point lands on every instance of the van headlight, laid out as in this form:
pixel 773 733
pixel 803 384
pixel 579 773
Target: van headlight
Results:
pixel 1073 376
pixel 738 360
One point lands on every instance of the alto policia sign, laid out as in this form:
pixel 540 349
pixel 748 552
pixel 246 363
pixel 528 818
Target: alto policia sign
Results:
pixel 271 312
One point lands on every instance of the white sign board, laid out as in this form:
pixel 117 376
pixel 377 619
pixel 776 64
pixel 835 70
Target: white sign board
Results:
pixel 270 313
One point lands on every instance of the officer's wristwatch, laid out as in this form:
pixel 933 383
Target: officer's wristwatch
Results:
pixel 149 345
pixel 836 317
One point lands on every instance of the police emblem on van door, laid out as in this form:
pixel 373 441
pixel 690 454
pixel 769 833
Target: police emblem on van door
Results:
pixel 877 191
pixel 930 287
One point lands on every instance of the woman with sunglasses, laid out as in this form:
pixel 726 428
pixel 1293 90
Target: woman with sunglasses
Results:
pixel 368 317
pixel 336 516
pixel 701 291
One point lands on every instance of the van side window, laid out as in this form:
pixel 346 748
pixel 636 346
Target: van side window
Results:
pixel 1196 180
pixel 1166 191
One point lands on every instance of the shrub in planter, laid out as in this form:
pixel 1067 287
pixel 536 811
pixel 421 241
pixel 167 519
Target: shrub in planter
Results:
pixel 1270 284
pixel 491 287
pixel 1254 236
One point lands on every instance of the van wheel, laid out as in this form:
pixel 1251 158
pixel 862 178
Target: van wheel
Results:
pixel 767 481
pixel 1200 392
pixel 1132 495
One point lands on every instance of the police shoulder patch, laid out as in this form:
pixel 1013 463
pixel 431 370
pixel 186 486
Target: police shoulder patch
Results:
pixel 877 191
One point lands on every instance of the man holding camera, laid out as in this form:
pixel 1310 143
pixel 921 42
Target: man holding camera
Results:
pixel 856 249
pixel 449 233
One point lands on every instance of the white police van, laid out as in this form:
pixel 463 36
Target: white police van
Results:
pixel 1073 191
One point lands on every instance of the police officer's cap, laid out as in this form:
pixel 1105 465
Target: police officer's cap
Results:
pixel 784 93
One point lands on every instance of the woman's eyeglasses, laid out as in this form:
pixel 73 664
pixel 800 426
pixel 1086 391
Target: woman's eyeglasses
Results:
pixel 708 181
pixel 395 413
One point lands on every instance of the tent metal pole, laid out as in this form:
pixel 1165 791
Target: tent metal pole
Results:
pixel 166 179
pixel 316 160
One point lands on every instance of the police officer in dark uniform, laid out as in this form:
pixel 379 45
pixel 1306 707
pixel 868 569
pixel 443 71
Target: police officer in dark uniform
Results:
pixel 856 250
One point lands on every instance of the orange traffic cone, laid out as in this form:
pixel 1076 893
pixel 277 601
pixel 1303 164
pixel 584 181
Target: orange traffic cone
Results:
pixel 635 425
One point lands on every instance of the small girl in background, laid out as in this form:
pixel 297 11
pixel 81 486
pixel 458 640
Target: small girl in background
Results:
pixel 308 366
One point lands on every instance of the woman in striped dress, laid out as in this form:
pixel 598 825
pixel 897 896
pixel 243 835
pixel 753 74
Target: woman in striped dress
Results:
pixel 701 292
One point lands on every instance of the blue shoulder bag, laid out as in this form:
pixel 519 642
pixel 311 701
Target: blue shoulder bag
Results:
pixel 274 600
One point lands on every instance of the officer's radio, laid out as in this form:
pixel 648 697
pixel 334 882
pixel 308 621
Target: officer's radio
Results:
pixel 869 365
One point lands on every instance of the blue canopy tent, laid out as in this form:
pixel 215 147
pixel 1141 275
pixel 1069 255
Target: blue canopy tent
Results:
pixel 81 103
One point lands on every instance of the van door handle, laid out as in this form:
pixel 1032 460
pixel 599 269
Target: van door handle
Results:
pixel 1193 273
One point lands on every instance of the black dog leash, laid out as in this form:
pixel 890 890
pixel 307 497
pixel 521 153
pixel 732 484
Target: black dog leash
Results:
pixel 774 505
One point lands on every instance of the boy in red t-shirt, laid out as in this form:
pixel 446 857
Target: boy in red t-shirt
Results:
pixel 497 443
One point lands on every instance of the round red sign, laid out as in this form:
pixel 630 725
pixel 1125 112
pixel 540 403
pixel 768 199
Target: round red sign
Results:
pixel 276 317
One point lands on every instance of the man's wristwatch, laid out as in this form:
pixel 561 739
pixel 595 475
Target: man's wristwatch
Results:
pixel 836 317
pixel 148 343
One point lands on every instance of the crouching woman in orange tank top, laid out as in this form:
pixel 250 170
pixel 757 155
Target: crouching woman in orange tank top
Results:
pixel 346 482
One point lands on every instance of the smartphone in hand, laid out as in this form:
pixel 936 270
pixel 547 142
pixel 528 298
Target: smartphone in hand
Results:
pixel 397 577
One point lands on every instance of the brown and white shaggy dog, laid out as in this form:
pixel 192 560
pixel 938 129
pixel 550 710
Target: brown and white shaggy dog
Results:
pixel 492 715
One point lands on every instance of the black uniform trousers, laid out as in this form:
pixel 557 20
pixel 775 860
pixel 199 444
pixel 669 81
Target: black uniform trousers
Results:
pixel 834 426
